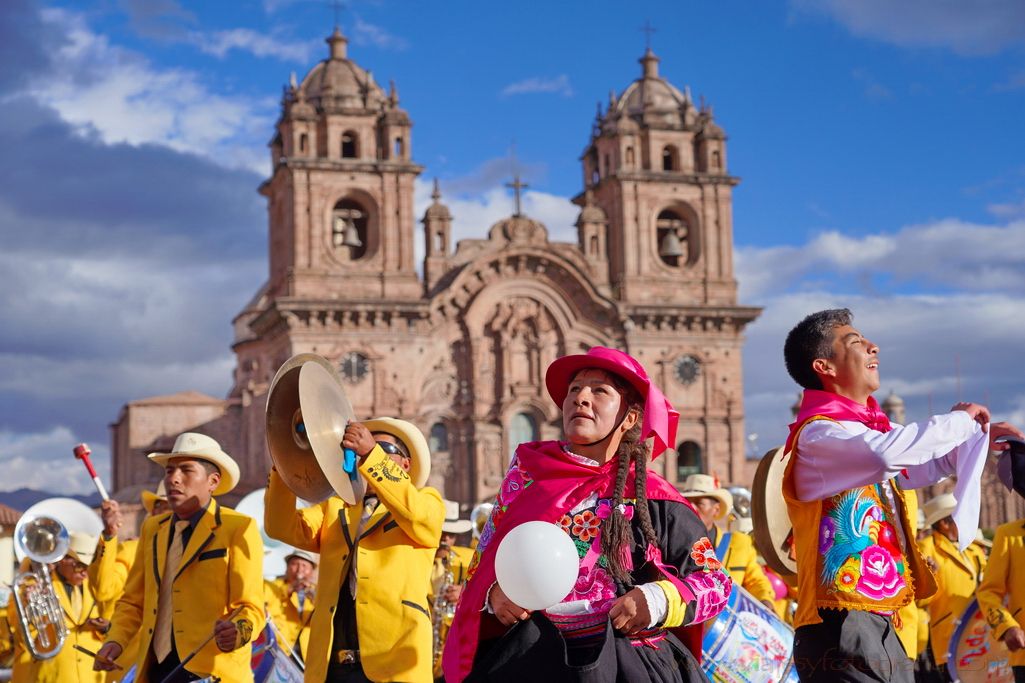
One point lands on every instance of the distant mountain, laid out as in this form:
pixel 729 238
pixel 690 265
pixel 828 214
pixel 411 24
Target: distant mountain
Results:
pixel 22 499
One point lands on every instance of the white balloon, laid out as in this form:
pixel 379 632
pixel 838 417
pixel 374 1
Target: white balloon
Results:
pixel 537 565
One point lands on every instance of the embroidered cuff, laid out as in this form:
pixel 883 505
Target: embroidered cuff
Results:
pixel 657 603
pixel 676 610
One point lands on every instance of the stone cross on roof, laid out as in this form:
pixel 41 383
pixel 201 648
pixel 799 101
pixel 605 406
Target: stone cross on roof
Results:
pixel 647 30
pixel 517 186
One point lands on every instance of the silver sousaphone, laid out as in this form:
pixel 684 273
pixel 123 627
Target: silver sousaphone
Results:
pixel 307 411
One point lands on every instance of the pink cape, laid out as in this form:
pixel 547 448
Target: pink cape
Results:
pixel 816 403
pixel 559 484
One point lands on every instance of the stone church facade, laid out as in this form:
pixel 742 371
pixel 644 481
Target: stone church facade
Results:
pixel 460 345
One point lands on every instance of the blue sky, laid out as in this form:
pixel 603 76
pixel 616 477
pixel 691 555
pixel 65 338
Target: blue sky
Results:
pixel 879 142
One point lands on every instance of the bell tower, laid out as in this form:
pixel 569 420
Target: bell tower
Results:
pixel 656 166
pixel 341 193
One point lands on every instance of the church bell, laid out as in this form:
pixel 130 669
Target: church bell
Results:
pixel 670 245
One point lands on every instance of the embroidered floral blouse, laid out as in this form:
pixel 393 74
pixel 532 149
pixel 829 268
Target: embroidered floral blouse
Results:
pixel 681 538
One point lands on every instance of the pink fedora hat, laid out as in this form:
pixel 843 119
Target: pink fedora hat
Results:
pixel 660 418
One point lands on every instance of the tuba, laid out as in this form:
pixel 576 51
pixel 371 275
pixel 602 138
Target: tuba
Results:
pixel 479 517
pixel 42 540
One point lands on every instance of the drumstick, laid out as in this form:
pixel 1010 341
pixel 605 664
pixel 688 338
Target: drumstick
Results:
pixel 82 452
pixel 96 656
pixel 175 670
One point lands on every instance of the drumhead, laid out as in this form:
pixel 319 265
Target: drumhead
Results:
pixel 772 528
pixel 972 656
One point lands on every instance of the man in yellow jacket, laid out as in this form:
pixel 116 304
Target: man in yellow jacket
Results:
pixel 1005 580
pixel 290 602
pixel 371 620
pixel 196 585
pixel 84 617
pixel 108 572
pixel 735 549
pixel 957 573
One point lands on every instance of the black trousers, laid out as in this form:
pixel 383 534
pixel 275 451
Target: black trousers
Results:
pixel 346 673
pixel 159 672
pixel 851 646
pixel 1019 674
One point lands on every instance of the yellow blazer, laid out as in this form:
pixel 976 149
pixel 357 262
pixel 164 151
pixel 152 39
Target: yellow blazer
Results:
pixel 957 578
pixel 395 554
pixel 107 575
pixel 741 561
pixel 70 665
pixel 283 609
pixel 1003 578
pixel 221 570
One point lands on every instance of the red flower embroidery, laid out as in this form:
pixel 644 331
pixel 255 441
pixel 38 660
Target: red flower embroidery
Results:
pixel 566 522
pixel 585 526
pixel 704 554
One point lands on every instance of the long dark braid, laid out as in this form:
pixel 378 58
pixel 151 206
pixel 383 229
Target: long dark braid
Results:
pixel 617 533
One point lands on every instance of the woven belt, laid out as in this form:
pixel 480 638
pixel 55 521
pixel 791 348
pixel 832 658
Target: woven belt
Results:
pixel 346 657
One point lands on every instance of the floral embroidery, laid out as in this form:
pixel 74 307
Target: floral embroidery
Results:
pixel 595 585
pixel 704 555
pixel 711 593
pixel 860 550
pixel 604 510
pixel 565 522
pixel 850 572
pixel 827 534
pixel 880 578
pixel 585 525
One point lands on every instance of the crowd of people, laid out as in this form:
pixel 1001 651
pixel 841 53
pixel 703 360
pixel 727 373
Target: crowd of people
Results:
pixel 401 587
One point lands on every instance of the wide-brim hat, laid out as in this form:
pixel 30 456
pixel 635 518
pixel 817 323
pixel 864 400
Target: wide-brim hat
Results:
pixel 149 498
pixel 452 523
pixel 413 439
pixel 660 418
pixel 1011 465
pixel 707 486
pixel 981 539
pixel 82 547
pixel 938 507
pixel 202 447
pixel 312 558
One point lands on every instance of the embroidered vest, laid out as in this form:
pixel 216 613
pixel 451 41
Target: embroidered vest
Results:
pixel 849 550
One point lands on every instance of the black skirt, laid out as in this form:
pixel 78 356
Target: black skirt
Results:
pixel 534 651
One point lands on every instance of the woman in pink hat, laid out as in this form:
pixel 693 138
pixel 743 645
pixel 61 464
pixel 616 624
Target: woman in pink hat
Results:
pixel 648 574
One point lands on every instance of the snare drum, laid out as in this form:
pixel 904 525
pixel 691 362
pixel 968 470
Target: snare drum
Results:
pixel 972 656
pixel 748 643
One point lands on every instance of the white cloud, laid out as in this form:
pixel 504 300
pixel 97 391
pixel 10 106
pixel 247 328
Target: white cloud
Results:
pixel 118 95
pixel 219 43
pixel 971 28
pixel 1008 210
pixel 44 461
pixel 365 33
pixel 558 85
pixel 948 254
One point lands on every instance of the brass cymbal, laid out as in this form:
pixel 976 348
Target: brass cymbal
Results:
pixel 307 411
pixel 327 411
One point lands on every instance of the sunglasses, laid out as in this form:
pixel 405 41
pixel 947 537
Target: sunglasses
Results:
pixel 391 449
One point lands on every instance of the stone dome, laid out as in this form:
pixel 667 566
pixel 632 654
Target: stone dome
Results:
pixel 338 83
pixel 652 97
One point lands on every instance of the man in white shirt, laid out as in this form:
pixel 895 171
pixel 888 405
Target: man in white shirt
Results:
pixel 857 558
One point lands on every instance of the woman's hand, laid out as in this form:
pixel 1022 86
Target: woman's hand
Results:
pixel 507 611
pixel 629 614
